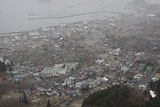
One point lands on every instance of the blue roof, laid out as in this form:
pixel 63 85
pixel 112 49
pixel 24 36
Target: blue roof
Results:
pixel 143 86
pixel 84 82
pixel 74 95
pixel 18 76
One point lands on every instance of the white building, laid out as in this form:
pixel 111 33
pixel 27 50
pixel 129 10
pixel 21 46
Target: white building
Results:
pixel 1 59
pixel 58 69
pixel 54 71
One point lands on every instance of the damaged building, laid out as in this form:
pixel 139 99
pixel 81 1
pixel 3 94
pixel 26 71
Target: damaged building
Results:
pixel 59 69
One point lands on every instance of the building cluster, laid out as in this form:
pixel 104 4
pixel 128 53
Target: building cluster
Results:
pixel 74 59
pixel 65 79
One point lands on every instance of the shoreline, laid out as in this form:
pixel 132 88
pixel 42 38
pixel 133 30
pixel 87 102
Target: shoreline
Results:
pixel 49 27
pixel 88 33
pixel 27 31
pixel 95 51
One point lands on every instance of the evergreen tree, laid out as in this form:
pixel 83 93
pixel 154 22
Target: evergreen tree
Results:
pixel 116 96
pixel 24 99
pixel 48 103
pixel 2 67
pixel 151 85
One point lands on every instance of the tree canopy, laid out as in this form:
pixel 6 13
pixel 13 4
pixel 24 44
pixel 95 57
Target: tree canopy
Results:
pixel 2 67
pixel 116 96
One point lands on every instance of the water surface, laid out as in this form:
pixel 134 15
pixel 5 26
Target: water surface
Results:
pixel 23 15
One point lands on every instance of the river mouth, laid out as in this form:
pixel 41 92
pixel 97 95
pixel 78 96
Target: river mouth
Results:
pixel 24 15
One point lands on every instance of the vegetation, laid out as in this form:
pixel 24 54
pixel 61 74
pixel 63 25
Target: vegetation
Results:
pixel 123 96
pixel 24 98
pixel 154 102
pixel 2 67
pixel 117 96
pixel 155 86
pixel 48 103
pixel 13 103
